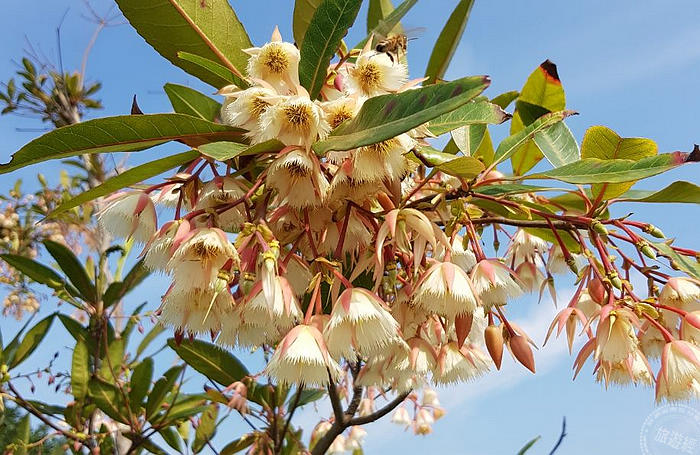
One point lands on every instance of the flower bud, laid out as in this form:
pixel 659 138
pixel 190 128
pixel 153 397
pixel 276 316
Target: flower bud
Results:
pixel 521 350
pixel 646 249
pixel 653 230
pixel 615 280
pixel 493 336
pixel 596 290
pixel 598 227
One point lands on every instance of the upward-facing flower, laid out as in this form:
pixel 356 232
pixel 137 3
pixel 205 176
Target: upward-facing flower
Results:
pixel 276 62
pixel 129 214
pixel 679 376
pixel 359 322
pixel 293 120
pixel 446 290
pixel 302 358
pixel 200 255
pixel 297 177
pixel 375 74
pixel 243 108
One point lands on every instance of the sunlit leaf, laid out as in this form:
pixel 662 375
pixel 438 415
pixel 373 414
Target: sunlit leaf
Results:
pixel 683 192
pixel 447 41
pixel 301 18
pixel 210 360
pixel 73 268
pixel 206 429
pixel 80 373
pixel 140 383
pixel 474 112
pixel 108 398
pixel 681 262
pixel 189 101
pixel 558 145
pixel 30 341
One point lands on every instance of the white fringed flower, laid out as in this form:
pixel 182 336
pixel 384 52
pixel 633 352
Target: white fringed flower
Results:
pixel 494 283
pixel 530 276
pixel 401 416
pixel 277 63
pixel 340 110
pixel 298 275
pixel 297 177
pixel 424 422
pixel 355 439
pixel 446 290
pixel 360 323
pixel 158 250
pixel 524 247
pixel 129 214
pixel 463 257
pixel 383 160
pixel 375 74
pixel 679 376
pixel 337 446
pixel 243 108
pixel 293 120
pixel 281 312
pixel 615 336
pixel 302 358
pixel 200 255
pixel 218 193
pixel 460 365
pixel 196 310
pixel 681 292
pixel 634 369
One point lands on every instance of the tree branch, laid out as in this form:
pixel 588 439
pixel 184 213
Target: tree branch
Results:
pixel 379 413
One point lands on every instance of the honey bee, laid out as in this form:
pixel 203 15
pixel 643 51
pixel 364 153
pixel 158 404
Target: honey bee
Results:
pixel 393 45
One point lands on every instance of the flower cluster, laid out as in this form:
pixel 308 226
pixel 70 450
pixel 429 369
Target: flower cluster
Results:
pixel 360 268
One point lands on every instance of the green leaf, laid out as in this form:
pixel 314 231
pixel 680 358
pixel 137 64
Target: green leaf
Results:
pixel 679 261
pixel 189 101
pixel 389 24
pixel 447 41
pixel 80 373
pixel 542 93
pixel 22 435
pixel 161 389
pixel 329 24
pixel 528 446
pixel 210 360
pixel 172 438
pixel 468 139
pixel 377 11
pixel 140 383
pixel 301 18
pixel 148 339
pixel 603 143
pixel 594 170
pixel 208 28
pixel 474 112
pixel 238 445
pixel 386 116
pixel 311 395
pixel 184 407
pixel 466 167
pixel 206 429
pixel 73 269
pixel 510 188
pixel 558 145
pixel 224 151
pixel 216 69
pixel 31 341
pixel 119 134
pixel 108 398
pixel 504 99
pixel 77 331
pixel 118 289
pixel 37 272
pixel 127 178
pixel 682 192
pixel 512 143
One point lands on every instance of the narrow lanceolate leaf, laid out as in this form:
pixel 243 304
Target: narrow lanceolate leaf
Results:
pixel 108 398
pixel 119 134
pixel 679 261
pixel 386 116
pixel 462 166
pixel 542 93
pixel 80 373
pixel 118 289
pixel 189 101
pixel 301 18
pixel 208 28
pixel 680 192
pixel 210 360
pixel 127 178
pixel 447 42
pixel 511 144
pixel 558 145
pixel 224 151
pixel 140 383
pixel 73 268
pixel 38 272
pixel 474 112
pixel 216 69
pixel 160 390
pixel 31 341
pixel 206 429
pixel 390 23
pixel 329 24
pixel 377 11
pixel 594 170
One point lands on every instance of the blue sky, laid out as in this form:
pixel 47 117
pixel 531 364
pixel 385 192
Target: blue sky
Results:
pixel 626 64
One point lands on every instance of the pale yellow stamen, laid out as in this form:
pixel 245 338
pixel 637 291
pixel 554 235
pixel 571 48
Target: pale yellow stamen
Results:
pixel 369 76
pixel 298 116
pixel 275 59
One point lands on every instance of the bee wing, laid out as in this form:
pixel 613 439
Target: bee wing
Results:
pixel 414 32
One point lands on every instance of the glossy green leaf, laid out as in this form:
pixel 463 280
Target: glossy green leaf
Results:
pixel 208 28
pixel 189 101
pixel 76 330
pixel 172 438
pixel 542 91
pixel 328 25
pixel 603 143
pixel 223 151
pixel 148 339
pixel 680 262
pixel 528 446
pixel 390 23
pixel 512 143
pixel 140 383
pixel 80 372
pixel 127 178
pixel 160 390
pixel 37 272
pixel 301 18
pixel 502 189
pixel 225 74
pixel 376 12
pixel 504 99
pixel 594 170
pixel 680 192
pixel 31 341
pixel 558 145
pixel 119 134
pixel 118 289
pixel 474 112
pixel 466 167
pixel 108 398
pixel 238 445
pixel 386 116
pixel 206 429
pixel 310 395
pixel 210 360
pixel 468 138
pixel 182 407
pixel 73 268
pixel 447 41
